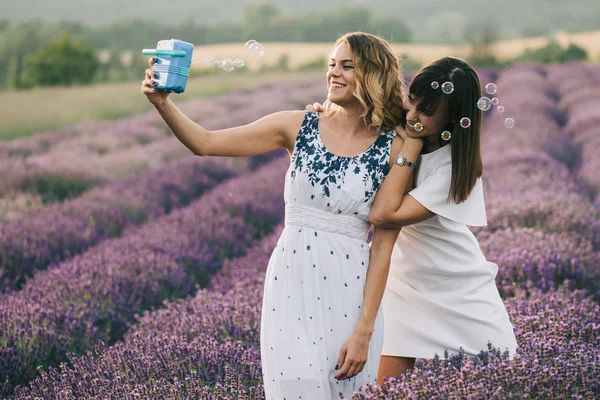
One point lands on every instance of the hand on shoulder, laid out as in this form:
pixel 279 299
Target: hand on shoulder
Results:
pixel 320 108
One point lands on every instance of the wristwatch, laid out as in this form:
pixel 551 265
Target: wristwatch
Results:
pixel 402 161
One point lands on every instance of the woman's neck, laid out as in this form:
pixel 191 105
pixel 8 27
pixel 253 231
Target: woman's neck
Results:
pixel 432 143
pixel 349 120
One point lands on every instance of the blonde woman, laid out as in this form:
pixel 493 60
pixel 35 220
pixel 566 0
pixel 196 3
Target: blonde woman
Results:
pixel 321 327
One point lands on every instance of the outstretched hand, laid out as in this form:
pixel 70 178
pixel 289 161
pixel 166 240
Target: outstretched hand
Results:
pixel 148 86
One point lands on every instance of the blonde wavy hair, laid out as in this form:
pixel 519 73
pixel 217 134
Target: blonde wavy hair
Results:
pixel 379 84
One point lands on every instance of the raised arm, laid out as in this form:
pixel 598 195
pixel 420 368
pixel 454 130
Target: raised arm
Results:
pixel 268 133
pixel 393 207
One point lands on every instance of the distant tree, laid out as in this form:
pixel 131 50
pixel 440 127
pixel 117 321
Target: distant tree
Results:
pixel 21 40
pixel 554 53
pixel 481 37
pixel 62 61
pixel 4 24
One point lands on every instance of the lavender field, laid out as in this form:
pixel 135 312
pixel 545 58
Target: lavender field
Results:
pixel 130 269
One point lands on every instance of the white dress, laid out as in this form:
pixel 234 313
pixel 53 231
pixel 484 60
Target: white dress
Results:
pixel 315 280
pixel 441 294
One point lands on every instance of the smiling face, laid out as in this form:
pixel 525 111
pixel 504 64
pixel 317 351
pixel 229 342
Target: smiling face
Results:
pixel 341 76
pixel 433 121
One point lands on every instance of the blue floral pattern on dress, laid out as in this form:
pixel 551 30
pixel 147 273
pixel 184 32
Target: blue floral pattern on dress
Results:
pixel 329 170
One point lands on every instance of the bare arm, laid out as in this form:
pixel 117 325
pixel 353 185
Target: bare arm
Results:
pixel 379 266
pixel 268 133
pixel 353 355
pixel 392 207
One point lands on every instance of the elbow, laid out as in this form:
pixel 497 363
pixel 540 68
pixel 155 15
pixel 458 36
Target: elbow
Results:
pixel 198 152
pixel 383 220
pixel 378 218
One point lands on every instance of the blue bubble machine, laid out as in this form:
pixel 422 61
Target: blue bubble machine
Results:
pixel 172 66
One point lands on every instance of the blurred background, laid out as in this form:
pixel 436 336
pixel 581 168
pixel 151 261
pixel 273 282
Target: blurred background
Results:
pixel 93 45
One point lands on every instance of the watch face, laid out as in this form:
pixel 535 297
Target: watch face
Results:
pixel 401 161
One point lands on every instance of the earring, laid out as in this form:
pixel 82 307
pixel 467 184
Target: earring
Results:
pixel 446 135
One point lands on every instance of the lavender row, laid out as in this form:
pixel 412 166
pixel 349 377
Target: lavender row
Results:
pixel 94 153
pixel 59 231
pixel 558 335
pixel 207 347
pixel 234 281
pixel 63 230
pixel 96 295
pixel 581 106
pixel 209 342
pixel 528 99
pixel 147 127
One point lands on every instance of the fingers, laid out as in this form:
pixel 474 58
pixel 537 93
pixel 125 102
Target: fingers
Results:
pixel 148 86
pixel 344 370
pixel 150 74
pixel 350 369
pixel 341 358
pixel 355 370
pixel 318 107
pixel 399 129
pixel 309 108
pixel 151 61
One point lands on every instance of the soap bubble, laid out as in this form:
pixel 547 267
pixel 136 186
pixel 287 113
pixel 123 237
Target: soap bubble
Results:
pixel 419 127
pixel 495 101
pixel 446 135
pixel 250 42
pixel 238 63
pixel 435 85
pixel 228 65
pixel 465 122
pixel 447 87
pixel 509 123
pixel 500 109
pixel 256 49
pixel 209 60
pixel 484 103
pixel 219 64
pixel 491 88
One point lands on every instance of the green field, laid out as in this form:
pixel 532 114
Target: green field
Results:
pixel 44 109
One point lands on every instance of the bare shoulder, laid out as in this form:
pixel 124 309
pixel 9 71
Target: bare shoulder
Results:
pixel 290 123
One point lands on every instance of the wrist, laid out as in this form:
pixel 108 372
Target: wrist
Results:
pixel 401 160
pixel 412 146
pixel 162 104
pixel 364 330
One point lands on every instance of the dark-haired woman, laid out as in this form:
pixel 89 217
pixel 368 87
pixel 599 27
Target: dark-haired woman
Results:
pixel 440 293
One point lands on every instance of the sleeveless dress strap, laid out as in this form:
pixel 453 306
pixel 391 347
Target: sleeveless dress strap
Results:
pixel 305 134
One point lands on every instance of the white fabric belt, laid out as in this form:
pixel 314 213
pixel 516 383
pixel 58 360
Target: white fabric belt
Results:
pixel 310 217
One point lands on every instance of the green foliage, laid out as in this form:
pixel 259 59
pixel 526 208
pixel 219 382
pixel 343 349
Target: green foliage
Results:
pixel 554 53
pixel 262 22
pixel 56 188
pixel 64 61
pixel 318 64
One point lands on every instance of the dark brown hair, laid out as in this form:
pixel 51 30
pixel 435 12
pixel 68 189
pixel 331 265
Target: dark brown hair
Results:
pixel 467 165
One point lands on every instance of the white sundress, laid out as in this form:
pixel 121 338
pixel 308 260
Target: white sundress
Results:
pixel 441 294
pixel 315 280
